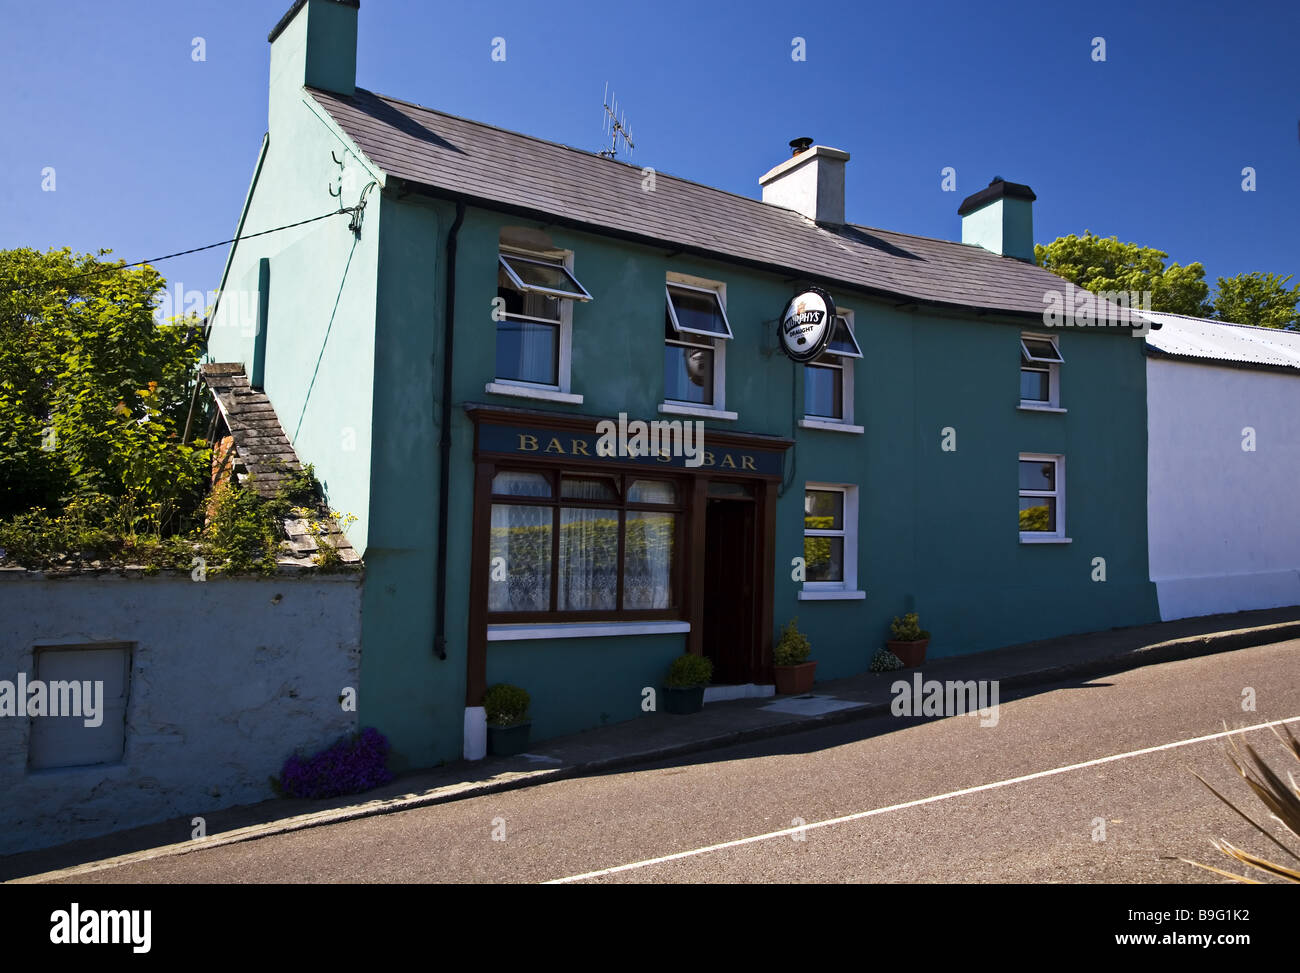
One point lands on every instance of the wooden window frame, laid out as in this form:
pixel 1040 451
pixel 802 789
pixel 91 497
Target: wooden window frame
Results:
pixel 622 479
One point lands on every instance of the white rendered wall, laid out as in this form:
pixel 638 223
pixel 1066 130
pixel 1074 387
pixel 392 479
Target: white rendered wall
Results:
pixel 1224 534
pixel 227 678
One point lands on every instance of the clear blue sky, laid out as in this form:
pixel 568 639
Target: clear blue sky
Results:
pixel 153 151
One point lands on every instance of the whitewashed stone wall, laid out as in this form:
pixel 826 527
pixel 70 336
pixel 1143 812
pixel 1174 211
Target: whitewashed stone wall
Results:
pixel 227 678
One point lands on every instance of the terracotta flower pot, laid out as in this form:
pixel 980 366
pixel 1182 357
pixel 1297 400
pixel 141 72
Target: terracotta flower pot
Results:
pixel 795 680
pixel 912 654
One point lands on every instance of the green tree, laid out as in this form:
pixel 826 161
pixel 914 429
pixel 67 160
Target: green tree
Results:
pixel 1104 264
pixel 1260 299
pixel 94 392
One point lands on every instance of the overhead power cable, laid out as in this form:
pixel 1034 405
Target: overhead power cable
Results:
pixel 182 253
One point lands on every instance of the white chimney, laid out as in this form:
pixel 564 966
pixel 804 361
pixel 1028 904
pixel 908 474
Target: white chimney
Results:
pixel 811 182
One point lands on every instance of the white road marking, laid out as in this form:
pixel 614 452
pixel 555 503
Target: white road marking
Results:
pixel 917 803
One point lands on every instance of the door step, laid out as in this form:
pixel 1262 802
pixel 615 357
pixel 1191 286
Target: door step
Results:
pixel 748 690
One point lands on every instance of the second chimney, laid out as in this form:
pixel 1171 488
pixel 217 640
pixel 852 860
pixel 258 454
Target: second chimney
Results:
pixel 810 182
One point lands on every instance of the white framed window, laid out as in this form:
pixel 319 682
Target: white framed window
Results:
pixel 1040 371
pixel 696 331
pixel 828 379
pixel 535 322
pixel 1042 498
pixel 830 541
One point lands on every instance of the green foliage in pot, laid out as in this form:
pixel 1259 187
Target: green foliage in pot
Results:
pixel 793 648
pixel 506 705
pixel 885 661
pixel 907 629
pixel 689 671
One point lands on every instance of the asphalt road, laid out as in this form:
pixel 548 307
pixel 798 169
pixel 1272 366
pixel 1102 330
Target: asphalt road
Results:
pixel 1042 829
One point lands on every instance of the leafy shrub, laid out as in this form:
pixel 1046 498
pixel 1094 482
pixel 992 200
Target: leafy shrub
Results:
pixel 689 671
pixel 907 629
pixel 885 661
pixel 793 648
pixel 243 533
pixel 506 705
pixel 94 392
pixel 354 764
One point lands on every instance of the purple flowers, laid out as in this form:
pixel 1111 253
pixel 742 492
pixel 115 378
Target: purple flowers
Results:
pixel 354 764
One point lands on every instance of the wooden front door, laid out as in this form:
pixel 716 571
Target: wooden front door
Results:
pixel 730 590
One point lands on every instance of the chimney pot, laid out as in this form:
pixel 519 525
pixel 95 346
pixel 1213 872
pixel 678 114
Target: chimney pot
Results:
pixel 800 145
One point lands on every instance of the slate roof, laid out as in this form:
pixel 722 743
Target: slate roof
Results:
pixel 264 451
pixel 506 170
pixel 1222 343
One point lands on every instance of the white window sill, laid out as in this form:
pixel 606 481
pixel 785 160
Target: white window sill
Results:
pixel 581 630
pixel 531 392
pixel 1049 539
pixel 1026 407
pixel 679 409
pixel 830 425
pixel 830 594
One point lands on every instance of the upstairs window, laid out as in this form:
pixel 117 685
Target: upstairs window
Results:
pixel 533 333
pixel 828 379
pixel 1040 377
pixel 695 329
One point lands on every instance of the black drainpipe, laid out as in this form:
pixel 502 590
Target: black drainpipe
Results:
pixel 444 441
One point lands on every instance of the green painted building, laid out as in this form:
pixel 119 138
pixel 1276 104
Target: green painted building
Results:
pixel 445 351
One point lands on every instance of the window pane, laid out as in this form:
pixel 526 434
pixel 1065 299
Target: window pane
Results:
pixel 1038 513
pixel 549 275
pixel 588 488
pixel 526 352
pixel 648 559
pixel 1042 349
pixel 688 374
pixel 651 491
pixel 823 392
pixel 842 341
pixel 532 305
pixel 697 311
pixel 823 510
pixel 588 569
pixel 1035 385
pixel 1037 474
pixel 824 558
pixel 521 537
pixel 511 484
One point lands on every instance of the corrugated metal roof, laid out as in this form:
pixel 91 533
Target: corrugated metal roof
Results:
pixel 481 162
pixel 1201 338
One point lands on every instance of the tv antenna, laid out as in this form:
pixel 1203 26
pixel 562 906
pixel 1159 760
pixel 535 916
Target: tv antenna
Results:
pixel 614 125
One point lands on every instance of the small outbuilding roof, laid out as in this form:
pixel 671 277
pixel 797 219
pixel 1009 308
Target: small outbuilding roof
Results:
pixel 1221 342
pixel 263 458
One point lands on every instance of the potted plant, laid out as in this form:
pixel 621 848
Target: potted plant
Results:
pixel 794 673
pixel 908 640
pixel 508 725
pixel 684 687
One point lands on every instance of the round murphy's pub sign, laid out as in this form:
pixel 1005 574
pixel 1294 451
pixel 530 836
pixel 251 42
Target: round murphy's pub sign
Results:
pixel 807 324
